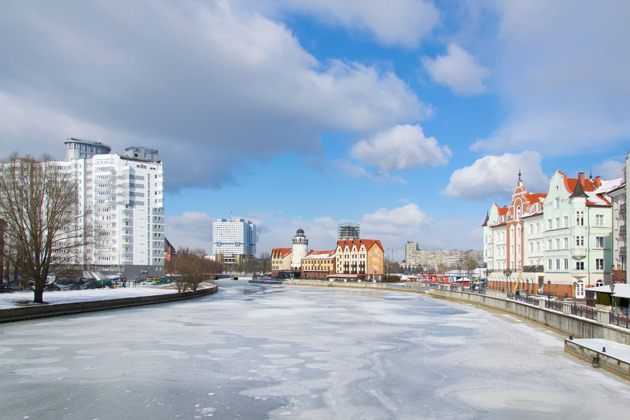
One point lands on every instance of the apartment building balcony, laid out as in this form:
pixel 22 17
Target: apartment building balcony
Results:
pixel 622 229
pixel 578 252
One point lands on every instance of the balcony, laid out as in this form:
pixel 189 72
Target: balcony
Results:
pixel 622 209
pixel 622 251
pixel 622 229
pixel 578 253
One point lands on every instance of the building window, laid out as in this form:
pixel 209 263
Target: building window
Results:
pixel 599 242
pixel 579 218
pixel 549 224
pixel 599 263
pixel 599 220
pixel 579 265
pixel 579 241
pixel 579 290
pixel 549 264
pixel 558 264
pixel 566 263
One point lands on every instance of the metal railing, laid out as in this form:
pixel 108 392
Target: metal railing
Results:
pixel 525 299
pixel 553 304
pixel 584 311
pixel 620 320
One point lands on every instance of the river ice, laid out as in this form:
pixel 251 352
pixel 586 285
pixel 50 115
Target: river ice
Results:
pixel 284 352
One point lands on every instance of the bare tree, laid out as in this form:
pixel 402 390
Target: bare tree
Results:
pixel 193 268
pixel 44 233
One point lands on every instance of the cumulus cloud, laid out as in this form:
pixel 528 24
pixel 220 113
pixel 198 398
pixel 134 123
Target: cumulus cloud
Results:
pixel 384 219
pixel 457 70
pixel 496 176
pixel 401 148
pixel 395 22
pixel 561 76
pixel 210 85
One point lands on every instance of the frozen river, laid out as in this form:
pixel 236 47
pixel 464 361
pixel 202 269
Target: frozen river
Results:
pixel 258 352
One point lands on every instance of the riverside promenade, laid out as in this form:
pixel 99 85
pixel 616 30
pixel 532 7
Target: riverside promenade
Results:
pixel 603 345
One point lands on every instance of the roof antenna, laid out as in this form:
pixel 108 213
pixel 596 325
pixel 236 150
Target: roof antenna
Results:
pixel 590 174
pixel 519 174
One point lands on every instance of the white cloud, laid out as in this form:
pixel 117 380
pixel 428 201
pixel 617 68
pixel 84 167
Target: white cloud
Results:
pixel 401 148
pixel 210 85
pixel 395 22
pixel 457 70
pixel 496 176
pixel 609 169
pixel 190 229
pixel 352 170
pixel 561 71
pixel 383 220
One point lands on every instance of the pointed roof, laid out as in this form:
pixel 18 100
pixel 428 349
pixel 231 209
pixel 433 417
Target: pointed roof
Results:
pixel 579 189
pixel 485 223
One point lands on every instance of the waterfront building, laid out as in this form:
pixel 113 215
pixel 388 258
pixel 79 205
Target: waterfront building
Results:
pixel 557 243
pixel 300 249
pixel 318 265
pixel 122 198
pixel 349 231
pixel 233 241
pixel 438 259
pixel 281 261
pixel 620 199
pixel 361 259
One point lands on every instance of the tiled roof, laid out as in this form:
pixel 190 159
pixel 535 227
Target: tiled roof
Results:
pixel 281 252
pixel 369 243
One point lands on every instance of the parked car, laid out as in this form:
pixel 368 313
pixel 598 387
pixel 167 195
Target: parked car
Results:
pixel 5 288
pixel 52 287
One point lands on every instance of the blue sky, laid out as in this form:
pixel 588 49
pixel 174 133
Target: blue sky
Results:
pixel 409 117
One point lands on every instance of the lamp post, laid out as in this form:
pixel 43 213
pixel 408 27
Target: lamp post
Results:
pixel 612 297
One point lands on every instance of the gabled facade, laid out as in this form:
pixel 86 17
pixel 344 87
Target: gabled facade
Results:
pixel 556 243
pixel 362 259
pixel 281 260
pixel 318 265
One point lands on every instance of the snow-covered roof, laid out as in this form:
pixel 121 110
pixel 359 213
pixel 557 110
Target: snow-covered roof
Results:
pixel 621 290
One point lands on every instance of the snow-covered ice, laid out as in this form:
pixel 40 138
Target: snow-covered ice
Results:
pixel 12 300
pixel 274 351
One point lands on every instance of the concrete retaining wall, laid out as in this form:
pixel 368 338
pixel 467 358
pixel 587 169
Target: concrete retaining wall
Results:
pixel 598 358
pixel 564 323
pixel 41 311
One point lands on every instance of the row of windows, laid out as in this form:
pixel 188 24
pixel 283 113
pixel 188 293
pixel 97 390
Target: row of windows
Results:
pixel 559 264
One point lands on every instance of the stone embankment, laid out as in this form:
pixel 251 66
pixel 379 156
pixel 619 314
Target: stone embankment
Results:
pixel 42 311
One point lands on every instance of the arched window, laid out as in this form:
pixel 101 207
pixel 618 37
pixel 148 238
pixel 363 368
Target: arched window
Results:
pixel 599 283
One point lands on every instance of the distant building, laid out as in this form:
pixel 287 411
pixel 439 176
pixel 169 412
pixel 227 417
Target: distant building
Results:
pixel 348 231
pixel 359 260
pixel 233 241
pixel 434 260
pixel 281 261
pixel 318 264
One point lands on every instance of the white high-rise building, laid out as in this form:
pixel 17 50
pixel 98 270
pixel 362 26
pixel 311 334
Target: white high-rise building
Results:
pixel 122 198
pixel 233 240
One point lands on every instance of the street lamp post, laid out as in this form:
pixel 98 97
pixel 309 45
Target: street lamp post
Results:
pixel 612 297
